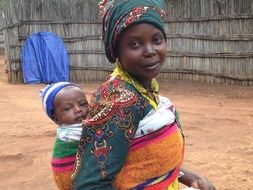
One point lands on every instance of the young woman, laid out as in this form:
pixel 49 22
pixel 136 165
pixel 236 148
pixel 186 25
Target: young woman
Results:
pixel 132 138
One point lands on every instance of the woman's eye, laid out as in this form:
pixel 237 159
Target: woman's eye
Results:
pixel 134 44
pixel 158 40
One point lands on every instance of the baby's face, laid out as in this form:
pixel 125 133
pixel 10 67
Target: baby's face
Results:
pixel 71 106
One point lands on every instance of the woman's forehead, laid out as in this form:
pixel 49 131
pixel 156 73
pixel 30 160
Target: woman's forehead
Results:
pixel 138 30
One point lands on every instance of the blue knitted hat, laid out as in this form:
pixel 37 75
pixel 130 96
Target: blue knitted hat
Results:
pixel 48 94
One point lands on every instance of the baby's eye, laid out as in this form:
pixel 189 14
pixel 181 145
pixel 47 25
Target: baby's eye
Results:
pixel 83 104
pixel 66 108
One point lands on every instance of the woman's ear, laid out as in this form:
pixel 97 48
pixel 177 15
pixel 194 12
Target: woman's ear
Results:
pixel 54 118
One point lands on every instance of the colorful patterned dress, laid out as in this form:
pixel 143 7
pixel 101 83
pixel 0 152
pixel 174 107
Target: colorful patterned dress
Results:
pixel 126 144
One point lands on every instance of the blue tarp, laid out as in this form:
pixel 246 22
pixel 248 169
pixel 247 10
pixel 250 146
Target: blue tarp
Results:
pixel 44 59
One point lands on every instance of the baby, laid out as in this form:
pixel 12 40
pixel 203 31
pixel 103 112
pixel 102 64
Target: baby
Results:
pixel 66 104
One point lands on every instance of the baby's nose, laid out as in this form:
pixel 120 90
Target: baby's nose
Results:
pixel 77 109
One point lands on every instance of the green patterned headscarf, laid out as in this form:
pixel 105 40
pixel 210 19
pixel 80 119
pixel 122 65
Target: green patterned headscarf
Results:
pixel 119 14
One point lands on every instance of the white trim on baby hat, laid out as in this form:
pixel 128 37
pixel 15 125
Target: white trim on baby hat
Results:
pixel 53 87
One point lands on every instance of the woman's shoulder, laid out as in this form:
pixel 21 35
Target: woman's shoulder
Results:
pixel 115 90
pixel 111 95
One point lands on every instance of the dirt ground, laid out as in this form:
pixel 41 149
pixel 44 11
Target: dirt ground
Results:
pixel 217 120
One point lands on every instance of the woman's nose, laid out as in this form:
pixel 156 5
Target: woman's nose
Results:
pixel 149 50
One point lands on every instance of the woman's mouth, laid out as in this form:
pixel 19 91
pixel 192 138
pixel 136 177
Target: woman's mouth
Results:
pixel 151 66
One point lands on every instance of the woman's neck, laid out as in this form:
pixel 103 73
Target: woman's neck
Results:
pixel 148 88
pixel 145 83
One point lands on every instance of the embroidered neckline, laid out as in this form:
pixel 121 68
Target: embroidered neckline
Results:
pixel 151 95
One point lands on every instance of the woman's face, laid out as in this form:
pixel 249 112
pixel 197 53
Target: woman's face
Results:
pixel 142 51
pixel 71 106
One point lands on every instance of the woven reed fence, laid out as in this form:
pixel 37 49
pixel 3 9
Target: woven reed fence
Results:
pixel 77 22
pixel 208 41
pixel 1 42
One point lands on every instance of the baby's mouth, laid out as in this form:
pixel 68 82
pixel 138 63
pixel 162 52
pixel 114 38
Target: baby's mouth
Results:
pixel 80 118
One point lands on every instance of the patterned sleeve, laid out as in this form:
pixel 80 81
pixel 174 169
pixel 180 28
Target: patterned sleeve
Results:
pixel 115 112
